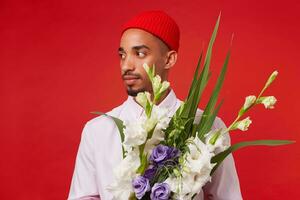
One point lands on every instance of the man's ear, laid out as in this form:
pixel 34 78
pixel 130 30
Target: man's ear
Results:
pixel 171 59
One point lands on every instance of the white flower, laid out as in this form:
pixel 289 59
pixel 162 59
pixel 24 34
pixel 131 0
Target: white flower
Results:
pixel 199 156
pixel 165 85
pixel 181 187
pixel 120 190
pixel 121 187
pixel 156 84
pixel 249 101
pixel 157 137
pixel 149 123
pixel 243 124
pixel 158 87
pixel 142 98
pixel 195 173
pixel 269 101
pixel 221 144
pixel 128 166
pixel 134 133
pixel 160 120
pixel 161 115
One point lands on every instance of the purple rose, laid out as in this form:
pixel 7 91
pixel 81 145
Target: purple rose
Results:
pixel 160 191
pixel 150 172
pixel 140 185
pixel 162 153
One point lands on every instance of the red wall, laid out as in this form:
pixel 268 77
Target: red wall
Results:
pixel 59 61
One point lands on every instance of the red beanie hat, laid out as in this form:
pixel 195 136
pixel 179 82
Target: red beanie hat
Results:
pixel 159 24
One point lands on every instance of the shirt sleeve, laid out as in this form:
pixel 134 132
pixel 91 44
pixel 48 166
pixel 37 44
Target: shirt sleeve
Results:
pixel 224 184
pixel 83 185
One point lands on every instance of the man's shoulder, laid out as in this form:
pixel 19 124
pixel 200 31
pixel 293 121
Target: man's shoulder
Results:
pixel 105 119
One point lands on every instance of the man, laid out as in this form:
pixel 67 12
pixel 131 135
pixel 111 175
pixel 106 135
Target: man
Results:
pixel 153 38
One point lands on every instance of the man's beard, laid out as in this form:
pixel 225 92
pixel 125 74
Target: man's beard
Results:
pixel 134 93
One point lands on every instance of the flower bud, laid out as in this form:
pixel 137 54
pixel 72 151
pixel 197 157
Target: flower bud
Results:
pixel 268 102
pixel 156 84
pixel 249 101
pixel 165 85
pixel 243 124
pixel 142 98
pixel 271 78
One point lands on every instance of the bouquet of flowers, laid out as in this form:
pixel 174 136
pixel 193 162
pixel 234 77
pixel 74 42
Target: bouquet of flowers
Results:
pixel 173 158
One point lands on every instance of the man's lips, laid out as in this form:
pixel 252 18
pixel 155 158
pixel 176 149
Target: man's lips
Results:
pixel 130 79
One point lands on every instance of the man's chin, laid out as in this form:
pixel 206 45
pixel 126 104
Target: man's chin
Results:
pixel 134 92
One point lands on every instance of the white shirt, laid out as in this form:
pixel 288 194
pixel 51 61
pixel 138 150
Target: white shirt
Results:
pixel 100 151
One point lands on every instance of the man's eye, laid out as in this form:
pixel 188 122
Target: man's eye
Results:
pixel 141 54
pixel 122 55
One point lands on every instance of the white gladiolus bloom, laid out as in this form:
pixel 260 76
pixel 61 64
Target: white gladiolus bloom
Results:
pixel 157 137
pixel 196 173
pixel 181 187
pixel 121 190
pixel 161 114
pixel 249 101
pixel 159 118
pixel 121 187
pixel 199 156
pixel 269 102
pixel 221 144
pixel 134 133
pixel 244 124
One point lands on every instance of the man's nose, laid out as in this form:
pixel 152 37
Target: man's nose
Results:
pixel 127 64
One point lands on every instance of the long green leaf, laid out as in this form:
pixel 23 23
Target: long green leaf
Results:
pixel 195 96
pixel 213 99
pixel 209 122
pixel 221 156
pixel 211 42
pixel 195 75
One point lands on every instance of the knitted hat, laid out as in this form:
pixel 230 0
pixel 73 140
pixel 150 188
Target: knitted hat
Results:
pixel 159 24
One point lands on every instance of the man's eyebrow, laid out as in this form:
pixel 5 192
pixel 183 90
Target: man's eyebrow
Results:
pixel 121 49
pixel 140 47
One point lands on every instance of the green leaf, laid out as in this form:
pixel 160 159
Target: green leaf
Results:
pixel 213 99
pixel 144 163
pixel 192 88
pixel 221 156
pixel 209 122
pixel 119 123
pixel 215 137
pixel 211 42
pixel 199 85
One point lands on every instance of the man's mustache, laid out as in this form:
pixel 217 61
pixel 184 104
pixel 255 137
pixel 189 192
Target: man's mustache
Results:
pixel 129 73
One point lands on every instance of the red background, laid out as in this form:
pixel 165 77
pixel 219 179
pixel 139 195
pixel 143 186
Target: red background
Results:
pixel 59 61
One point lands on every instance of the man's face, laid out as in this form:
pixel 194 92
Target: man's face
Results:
pixel 136 48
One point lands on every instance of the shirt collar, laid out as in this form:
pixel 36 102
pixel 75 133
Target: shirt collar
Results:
pixel 136 110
